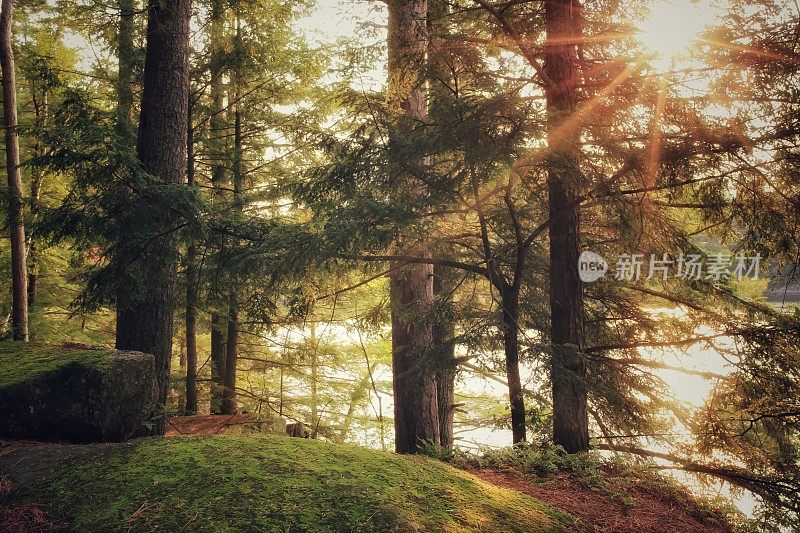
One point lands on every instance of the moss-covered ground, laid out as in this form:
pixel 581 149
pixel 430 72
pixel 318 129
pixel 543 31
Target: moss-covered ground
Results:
pixel 19 361
pixel 274 483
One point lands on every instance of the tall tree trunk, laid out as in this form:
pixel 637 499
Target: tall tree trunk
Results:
pixel 443 332
pixel 218 357
pixel 443 326
pixel 510 313
pixel 568 367
pixel 416 417
pixel 19 269
pixel 126 66
pixel 41 105
pixel 145 317
pixel 217 156
pixel 191 287
pixel 229 405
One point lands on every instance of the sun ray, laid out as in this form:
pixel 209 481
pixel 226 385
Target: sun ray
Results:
pixel 581 115
pixel 751 50
pixel 654 150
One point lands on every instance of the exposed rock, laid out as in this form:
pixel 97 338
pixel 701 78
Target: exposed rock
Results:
pixel 74 395
pixel 298 429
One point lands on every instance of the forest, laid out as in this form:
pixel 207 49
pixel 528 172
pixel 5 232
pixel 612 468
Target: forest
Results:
pixel 400 265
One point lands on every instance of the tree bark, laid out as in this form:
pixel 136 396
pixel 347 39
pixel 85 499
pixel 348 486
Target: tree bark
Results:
pixel 416 415
pixel 19 270
pixel 443 326
pixel 145 317
pixel 217 156
pixel 41 105
pixel 510 313
pixel 229 405
pixel 218 358
pixel 443 332
pixel 568 366
pixel 191 287
pixel 125 70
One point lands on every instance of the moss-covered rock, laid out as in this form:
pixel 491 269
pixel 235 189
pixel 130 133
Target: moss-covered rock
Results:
pixel 74 394
pixel 263 483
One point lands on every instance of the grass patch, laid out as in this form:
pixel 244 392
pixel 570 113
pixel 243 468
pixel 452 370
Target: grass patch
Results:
pixel 273 483
pixel 20 361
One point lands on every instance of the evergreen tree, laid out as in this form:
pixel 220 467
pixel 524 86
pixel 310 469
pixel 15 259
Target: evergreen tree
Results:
pixel 145 309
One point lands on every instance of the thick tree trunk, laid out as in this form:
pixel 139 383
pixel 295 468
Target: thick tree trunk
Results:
pixel 411 287
pixel 19 270
pixel 145 317
pixel 510 300
pixel 191 288
pixel 443 332
pixel 568 367
pixel 416 417
pixel 445 390
pixel 217 126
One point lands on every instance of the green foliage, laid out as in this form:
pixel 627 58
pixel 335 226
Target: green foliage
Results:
pixel 108 187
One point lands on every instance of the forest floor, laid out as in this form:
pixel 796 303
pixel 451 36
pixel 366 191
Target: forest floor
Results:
pixel 271 483
pixel 639 510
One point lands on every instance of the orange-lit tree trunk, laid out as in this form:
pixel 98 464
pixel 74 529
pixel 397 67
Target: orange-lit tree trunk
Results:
pixel 416 415
pixel 568 368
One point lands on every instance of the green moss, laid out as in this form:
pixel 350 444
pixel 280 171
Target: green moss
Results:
pixel 19 361
pixel 271 483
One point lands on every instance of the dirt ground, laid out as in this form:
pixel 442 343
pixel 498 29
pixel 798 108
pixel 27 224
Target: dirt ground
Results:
pixel 647 513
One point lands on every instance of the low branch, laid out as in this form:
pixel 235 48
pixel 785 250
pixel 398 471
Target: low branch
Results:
pixel 653 344
pixel 426 261
pixel 633 361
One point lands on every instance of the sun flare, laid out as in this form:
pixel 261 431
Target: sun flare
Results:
pixel 671 27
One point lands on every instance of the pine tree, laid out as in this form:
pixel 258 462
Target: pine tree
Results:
pixel 568 367
pixel 411 286
pixel 145 316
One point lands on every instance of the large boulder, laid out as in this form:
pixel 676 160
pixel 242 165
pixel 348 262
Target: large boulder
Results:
pixel 74 393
